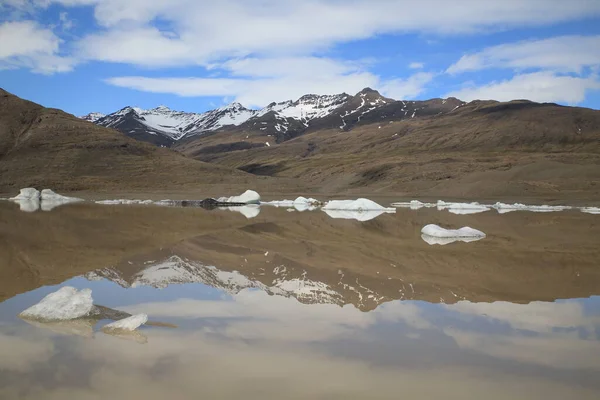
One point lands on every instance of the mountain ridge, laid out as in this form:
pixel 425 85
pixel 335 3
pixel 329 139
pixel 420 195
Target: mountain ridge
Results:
pixel 284 120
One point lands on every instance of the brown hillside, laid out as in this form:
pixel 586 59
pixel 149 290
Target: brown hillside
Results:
pixel 481 150
pixel 46 147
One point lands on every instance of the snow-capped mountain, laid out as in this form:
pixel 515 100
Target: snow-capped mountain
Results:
pixel 284 120
pixel 162 126
pixel 93 116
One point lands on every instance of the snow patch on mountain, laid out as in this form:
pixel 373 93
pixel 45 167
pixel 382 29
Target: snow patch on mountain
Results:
pixel 93 116
pixel 177 124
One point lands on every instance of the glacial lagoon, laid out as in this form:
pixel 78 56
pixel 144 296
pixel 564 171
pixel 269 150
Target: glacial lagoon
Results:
pixel 299 304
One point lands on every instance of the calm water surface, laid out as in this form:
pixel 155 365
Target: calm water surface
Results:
pixel 299 305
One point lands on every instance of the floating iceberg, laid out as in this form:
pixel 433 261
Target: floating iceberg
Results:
pixel 300 204
pixel 51 200
pixel 501 208
pixel 27 194
pixel 124 201
pixel 29 199
pixel 65 304
pixel 127 324
pixel 49 195
pixel 434 234
pixel 356 205
pixel 359 209
pixel 504 208
pixel 590 210
pixel 28 205
pixel 248 197
pixel 462 208
pixel 413 204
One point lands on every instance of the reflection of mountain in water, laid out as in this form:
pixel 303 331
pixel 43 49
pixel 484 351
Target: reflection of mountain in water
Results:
pixel 340 288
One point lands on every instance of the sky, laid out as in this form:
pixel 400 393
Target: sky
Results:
pixel 194 55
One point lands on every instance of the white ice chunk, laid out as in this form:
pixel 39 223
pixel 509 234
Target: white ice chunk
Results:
pixel 503 208
pixel 65 304
pixel 127 324
pixel 300 204
pixel 49 195
pixel 590 210
pixel 356 205
pixel 304 204
pixel 280 203
pixel 27 194
pixel 467 208
pixel 413 204
pixel 124 201
pixel 248 197
pixel 439 232
pixel 359 209
pixel 462 208
pixel 28 205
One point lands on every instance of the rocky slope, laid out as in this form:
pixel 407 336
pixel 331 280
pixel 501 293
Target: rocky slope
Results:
pixel 48 148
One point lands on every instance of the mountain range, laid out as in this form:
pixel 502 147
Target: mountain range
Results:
pixel 517 151
pixel 280 121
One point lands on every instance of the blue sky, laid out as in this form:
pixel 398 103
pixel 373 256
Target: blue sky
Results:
pixel 193 55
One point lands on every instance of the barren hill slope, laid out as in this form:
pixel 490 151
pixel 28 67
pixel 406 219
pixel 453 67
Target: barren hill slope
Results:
pixel 46 147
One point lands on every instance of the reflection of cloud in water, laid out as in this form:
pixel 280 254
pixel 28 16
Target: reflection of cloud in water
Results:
pixel 255 314
pixel 28 205
pixel 552 350
pixel 21 352
pixel 536 316
pixel 291 350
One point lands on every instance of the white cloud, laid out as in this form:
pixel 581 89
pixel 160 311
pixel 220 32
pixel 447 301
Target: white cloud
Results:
pixel 259 81
pixel 198 34
pixel 22 38
pixel 138 46
pixel 241 36
pixel 563 53
pixel 250 92
pixel 408 88
pixel 537 316
pixel 538 86
pixel 25 44
pixel 65 21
